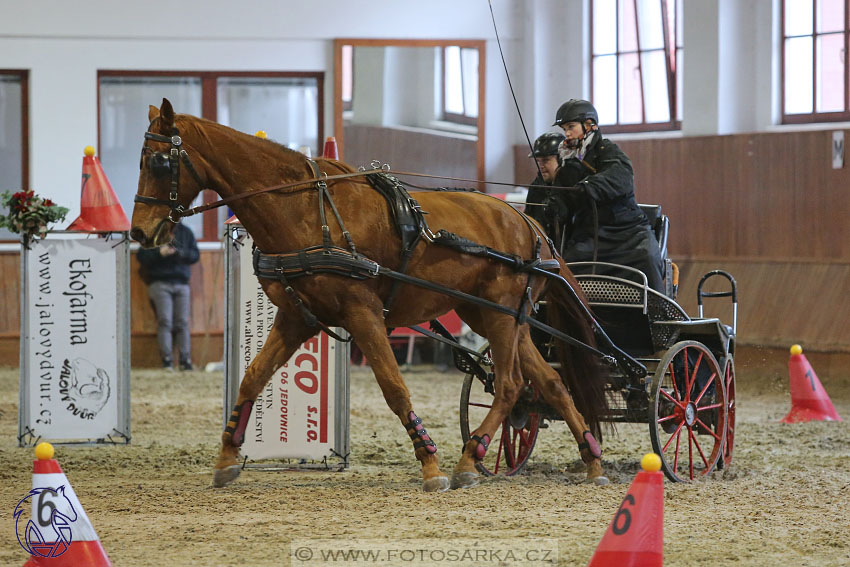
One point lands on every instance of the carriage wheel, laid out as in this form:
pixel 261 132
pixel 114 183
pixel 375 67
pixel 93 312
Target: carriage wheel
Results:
pixel 729 441
pixel 688 421
pixel 514 439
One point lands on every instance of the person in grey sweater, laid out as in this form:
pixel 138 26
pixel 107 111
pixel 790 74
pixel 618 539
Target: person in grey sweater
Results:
pixel 167 271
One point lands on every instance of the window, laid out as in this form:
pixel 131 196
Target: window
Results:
pixel 14 135
pixel 637 51
pixel 347 77
pixel 285 105
pixel 460 84
pixel 814 66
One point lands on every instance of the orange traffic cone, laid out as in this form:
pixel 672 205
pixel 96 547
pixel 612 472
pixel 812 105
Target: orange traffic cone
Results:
pixel 635 536
pixel 100 210
pixel 331 150
pixel 68 540
pixel 809 401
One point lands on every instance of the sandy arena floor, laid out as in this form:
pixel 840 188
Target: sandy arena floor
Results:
pixel 784 501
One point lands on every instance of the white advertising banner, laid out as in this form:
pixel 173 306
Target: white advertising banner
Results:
pixel 75 339
pixel 302 413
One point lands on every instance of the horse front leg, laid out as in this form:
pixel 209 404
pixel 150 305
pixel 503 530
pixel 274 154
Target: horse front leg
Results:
pixel 368 330
pixel 281 343
pixel 555 393
pixel 502 332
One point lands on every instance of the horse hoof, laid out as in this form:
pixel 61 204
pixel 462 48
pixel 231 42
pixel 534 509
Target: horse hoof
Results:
pixel 464 479
pixel 599 480
pixel 223 477
pixel 436 484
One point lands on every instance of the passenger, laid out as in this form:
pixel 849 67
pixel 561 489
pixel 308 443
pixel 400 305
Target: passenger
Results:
pixel 603 175
pixel 545 153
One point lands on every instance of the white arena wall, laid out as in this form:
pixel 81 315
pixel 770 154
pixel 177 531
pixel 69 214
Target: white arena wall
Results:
pixel 64 44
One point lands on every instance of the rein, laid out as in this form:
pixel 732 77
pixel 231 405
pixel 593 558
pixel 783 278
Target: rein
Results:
pixel 169 164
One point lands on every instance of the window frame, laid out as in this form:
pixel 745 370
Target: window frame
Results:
pixel 814 116
pixel 670 58
pixel 23 75
pixel 453 116
pixel 209 110
pixel 348 60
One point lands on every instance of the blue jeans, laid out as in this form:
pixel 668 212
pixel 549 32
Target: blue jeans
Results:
pixel 171 303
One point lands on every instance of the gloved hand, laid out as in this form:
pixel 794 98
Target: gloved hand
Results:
pixel 556 208
pixel 575 198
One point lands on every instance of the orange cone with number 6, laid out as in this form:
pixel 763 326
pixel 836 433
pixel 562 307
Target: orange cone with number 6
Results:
pixel 635 537
pixel 63 535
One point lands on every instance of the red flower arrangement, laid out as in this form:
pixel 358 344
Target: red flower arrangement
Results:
pixel 28 214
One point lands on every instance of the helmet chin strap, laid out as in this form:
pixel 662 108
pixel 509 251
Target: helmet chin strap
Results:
pixel 575 143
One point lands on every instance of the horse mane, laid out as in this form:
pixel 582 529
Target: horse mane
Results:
pixel 203 128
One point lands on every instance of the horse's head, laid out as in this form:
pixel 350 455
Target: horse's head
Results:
pixel 168 179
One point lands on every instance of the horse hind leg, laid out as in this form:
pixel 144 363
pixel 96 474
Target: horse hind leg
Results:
pixel 367 328
pixel 554 392
pixel 502 332
pixel 281 343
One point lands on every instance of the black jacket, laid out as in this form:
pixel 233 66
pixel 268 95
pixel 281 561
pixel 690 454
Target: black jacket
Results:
pixel 174 268
pixel 537 193
pixel 606 178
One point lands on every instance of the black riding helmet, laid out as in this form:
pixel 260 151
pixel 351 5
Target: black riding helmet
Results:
pixel 576 110
pixel 546 145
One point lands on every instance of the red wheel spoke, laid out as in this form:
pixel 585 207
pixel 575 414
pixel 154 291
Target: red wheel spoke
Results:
pixel 672 399
pixel 667 418
pixel 690 454
pixel 673 379
pixel 699 450
pixel 676 435
pixel 524 437
pixel 712 406
pixel 676 456
pixel 708 430
pixel 705 388
pixel 502 440
pixel 479 405
pixel 688 375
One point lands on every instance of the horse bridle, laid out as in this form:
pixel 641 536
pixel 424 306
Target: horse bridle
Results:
pixel 162 164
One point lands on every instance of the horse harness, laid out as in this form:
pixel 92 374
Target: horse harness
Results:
pixel 411 226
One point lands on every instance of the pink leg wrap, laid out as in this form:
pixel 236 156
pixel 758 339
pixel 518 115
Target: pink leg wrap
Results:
pixel 238 422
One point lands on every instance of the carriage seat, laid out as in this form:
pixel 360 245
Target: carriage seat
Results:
pixel 660 225
pixel 636 317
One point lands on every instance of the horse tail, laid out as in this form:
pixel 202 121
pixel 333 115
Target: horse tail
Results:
pixel 582 372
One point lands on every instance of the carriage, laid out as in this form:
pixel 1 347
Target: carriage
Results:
pixel 687 397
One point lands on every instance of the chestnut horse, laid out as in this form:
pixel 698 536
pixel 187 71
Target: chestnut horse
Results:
pixel 230 163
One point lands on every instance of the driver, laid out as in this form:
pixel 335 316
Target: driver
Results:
pixel 602 174
pixel 545 153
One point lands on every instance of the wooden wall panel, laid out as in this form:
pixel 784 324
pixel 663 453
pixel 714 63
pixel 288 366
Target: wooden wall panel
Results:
pixel 779 303
pixel 744 196
pixel 207 324
pixel 748 196
pixel 415 151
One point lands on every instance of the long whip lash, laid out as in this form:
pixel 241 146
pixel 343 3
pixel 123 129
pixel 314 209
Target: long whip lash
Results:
pixel 508 75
